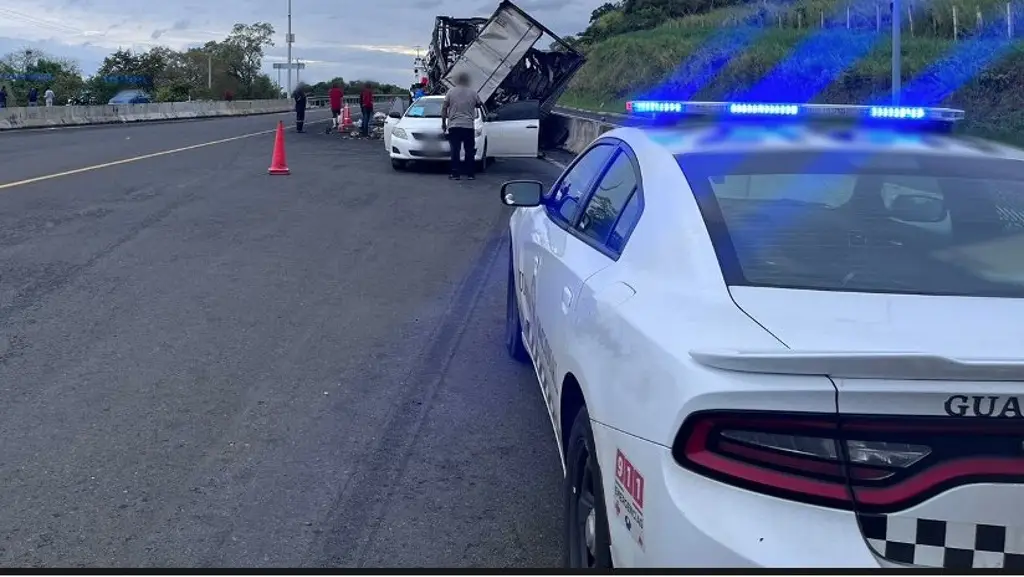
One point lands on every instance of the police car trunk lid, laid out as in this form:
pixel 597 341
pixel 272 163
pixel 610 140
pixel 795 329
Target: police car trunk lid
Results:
pixel 944 375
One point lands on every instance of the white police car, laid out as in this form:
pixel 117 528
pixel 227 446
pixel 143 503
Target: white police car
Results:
pixel 779 344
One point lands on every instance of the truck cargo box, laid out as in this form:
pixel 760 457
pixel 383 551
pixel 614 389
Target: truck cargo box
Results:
pixel 500 56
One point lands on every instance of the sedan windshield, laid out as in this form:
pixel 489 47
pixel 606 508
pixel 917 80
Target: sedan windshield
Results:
pixel 425 108
pixel 892 223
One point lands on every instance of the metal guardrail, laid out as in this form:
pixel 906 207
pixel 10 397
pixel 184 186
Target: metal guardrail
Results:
pixel 353 99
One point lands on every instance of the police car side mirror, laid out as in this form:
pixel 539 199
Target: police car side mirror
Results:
pixel 490 116
pixel 522 193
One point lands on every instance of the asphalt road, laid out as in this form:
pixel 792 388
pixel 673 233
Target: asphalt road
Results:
pixel 205 366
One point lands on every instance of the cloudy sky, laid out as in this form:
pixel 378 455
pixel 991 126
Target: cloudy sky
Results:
pixel 364 39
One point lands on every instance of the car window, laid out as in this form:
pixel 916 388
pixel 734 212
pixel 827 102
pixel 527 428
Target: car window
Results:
pixel 424 108
pixel 565 197
pixel 892 223
pixel 610 196
pixel 627 219
pixel 521 110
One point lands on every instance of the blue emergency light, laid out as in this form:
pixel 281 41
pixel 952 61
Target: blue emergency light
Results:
pixel 681 108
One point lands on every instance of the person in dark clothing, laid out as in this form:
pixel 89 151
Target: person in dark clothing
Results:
pixel 33 97
pixel 366 104
pixel 300 107
pixel 458 120
pixel 3 97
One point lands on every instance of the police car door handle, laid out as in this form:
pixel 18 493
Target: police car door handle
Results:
pixel 566 299
pixel 533 126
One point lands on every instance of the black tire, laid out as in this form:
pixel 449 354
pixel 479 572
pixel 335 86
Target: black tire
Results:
pixel 397 163
pixel 583 495
pixel 513 323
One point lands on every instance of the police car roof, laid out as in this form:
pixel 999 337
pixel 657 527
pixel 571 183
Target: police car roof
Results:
pixel 752 127
pixel 751 138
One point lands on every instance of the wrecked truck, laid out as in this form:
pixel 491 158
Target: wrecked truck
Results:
pixel 504 64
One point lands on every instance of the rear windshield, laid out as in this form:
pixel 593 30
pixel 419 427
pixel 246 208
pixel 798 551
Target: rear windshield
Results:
pixel 892 223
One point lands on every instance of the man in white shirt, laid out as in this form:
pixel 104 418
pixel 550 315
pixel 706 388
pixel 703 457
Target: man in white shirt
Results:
pixel 49 96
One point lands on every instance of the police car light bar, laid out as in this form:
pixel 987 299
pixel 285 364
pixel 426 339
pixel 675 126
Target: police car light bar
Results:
pixel 769 110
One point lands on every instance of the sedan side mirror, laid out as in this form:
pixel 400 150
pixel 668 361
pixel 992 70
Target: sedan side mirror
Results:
pixel 522 193
pixel 394 115
pixel 491 116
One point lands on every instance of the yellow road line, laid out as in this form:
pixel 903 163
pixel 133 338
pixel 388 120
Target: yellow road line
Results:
pixel 138 158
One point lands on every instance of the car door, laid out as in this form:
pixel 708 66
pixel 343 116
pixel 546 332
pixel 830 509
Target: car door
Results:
pixel 513 131
pixel 394 115
pixel 543 279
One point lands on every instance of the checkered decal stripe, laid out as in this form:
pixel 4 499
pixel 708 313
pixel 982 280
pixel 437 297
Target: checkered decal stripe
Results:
pixel 941 544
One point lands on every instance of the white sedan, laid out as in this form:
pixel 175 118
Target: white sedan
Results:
pixel 413 133
pixel 780 345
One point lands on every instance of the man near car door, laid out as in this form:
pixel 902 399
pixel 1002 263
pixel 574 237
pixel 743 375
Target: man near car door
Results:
pixel 457 119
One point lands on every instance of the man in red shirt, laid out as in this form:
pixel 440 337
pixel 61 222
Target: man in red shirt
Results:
pixel 366 103
pixel 335 95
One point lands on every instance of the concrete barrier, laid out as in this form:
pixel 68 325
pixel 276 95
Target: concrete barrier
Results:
pixel 42 117
pixel 573 132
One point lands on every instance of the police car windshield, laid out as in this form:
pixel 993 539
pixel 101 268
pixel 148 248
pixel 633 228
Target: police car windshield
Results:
pixel 423 108
pixel 891 223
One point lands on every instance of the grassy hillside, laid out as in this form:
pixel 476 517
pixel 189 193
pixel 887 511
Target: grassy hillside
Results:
pixel 842 65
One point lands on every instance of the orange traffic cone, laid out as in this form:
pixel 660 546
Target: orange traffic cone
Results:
pixel 278 163
pixel 346 117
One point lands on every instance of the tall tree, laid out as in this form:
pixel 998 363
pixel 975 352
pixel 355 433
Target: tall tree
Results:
pixel 243 51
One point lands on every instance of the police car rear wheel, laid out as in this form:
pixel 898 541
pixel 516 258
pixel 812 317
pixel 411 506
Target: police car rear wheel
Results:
pixel 587 543
pixel 513 325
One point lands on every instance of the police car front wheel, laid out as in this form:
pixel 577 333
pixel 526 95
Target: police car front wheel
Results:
pixel 587 542
pixel 513 325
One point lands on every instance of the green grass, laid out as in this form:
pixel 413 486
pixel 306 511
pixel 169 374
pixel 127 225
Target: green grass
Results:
pixel 625 65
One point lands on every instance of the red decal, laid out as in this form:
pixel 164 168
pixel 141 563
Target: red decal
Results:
pixel 630 478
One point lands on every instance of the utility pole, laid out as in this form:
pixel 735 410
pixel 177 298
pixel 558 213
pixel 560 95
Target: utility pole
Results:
pixel 289 39
pixel 896 52
pixel 209 71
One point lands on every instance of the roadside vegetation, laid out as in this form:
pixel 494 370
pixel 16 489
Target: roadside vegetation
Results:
pixel 819 50
pixel 209 72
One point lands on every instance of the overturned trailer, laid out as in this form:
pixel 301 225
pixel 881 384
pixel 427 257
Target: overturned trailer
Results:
pixel 499 55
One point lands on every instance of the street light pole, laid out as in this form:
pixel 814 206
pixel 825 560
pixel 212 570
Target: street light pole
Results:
pixel 289 42
pixel 897 53
pixel 209 71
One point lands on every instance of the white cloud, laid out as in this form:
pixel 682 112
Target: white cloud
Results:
pixel 372 40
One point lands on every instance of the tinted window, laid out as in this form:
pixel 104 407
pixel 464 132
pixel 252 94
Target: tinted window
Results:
pixel 610 195
pixel 624 226
pixel 565 197
pixel 899 223
pixel 522 110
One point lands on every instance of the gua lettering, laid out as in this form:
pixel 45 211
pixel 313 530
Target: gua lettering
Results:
pixel 984 406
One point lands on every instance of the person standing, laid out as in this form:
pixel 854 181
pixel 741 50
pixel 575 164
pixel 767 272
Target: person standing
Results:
pixel 3 97
pixel 458 114
pixel 48 96
pixel 366 108
pixel 335 95
pixel 33 97
pixel 300 107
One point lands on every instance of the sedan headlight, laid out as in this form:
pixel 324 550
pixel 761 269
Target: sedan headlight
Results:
pixel 399 133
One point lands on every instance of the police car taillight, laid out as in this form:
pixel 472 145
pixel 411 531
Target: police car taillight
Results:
pixel 881 463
